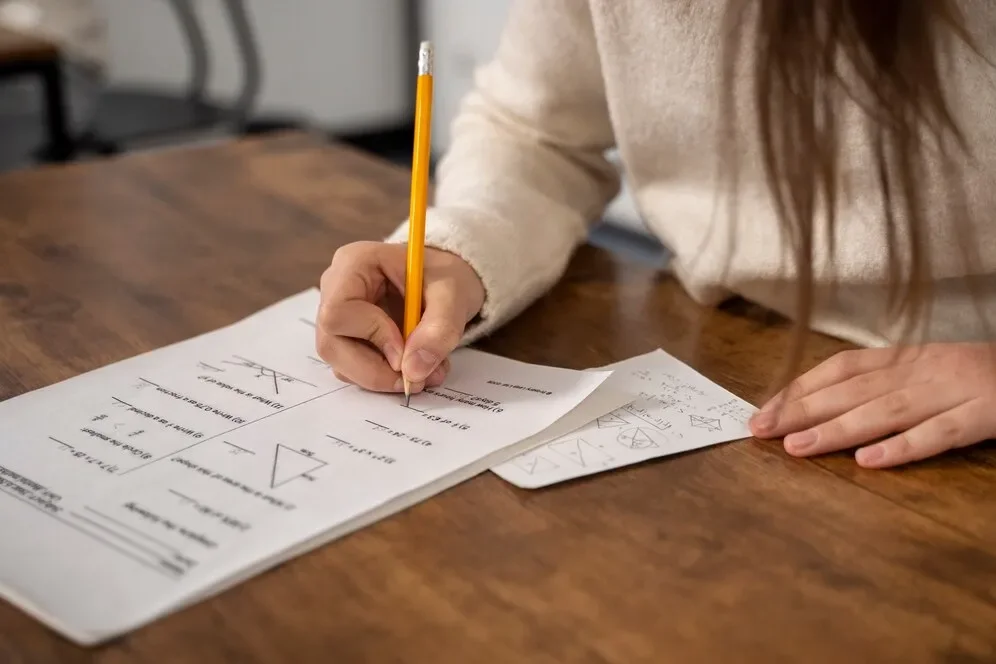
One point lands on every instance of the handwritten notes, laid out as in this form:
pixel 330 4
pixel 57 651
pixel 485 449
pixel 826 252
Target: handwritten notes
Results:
pixel 146 485
pixel 675 410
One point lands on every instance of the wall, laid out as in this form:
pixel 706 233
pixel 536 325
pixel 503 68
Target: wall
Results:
pixel 465 34
pixel 338 62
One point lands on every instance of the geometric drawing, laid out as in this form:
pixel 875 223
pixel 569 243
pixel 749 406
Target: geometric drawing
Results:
pixel 611 421
pixel 236 450
pixel 636 439
pixel 707 423
pixel 266 372
pixel 580 452
pixel 534 463
pixel 289 464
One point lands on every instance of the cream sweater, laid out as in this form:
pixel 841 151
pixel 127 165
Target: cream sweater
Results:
pixel 527 171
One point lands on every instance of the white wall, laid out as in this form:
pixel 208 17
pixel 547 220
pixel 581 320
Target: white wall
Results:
pixel 337 62
pixel 465 34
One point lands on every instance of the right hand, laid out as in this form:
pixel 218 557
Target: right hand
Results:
pixel 362 305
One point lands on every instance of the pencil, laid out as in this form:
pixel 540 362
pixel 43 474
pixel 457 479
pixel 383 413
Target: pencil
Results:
pixel 420 183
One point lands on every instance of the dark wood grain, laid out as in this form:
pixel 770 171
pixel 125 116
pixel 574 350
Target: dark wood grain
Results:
pixel 736 553
pixel 18 47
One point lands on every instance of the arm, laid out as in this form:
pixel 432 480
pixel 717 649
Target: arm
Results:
pixel 526 173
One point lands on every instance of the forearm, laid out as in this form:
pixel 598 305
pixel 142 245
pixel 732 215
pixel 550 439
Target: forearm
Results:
pixel 526 173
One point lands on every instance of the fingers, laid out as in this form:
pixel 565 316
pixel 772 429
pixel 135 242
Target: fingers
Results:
pixel 839 368
pixel 360 365
pixel 896 410
pixel 825 404
pixel 437 334
pixel 356 319
pixel 352 329
pixel 356 362
pixel 958 427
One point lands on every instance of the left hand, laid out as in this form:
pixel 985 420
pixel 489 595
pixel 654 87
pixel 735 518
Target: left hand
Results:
pixel 917 401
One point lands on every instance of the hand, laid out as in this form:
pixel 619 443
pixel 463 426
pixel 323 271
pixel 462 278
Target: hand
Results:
pixel 359 320
pixel 923 400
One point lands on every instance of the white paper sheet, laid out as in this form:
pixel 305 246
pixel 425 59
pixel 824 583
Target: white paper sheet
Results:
pixel 676 410
pixel 148 484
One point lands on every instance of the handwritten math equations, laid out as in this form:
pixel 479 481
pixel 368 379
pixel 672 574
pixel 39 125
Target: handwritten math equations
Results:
pixel 149 484
pixel 676 409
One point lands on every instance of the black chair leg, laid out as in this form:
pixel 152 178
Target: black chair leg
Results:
pixel 61 146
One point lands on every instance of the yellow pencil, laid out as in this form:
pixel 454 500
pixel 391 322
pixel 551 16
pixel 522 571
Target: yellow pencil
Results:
pixel 420 184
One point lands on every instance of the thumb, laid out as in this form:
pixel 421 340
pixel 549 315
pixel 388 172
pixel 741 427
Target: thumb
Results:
pixel 435 337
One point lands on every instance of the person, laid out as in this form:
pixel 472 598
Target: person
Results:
pixel 831 160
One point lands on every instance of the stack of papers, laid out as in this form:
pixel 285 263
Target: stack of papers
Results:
pixel 155 482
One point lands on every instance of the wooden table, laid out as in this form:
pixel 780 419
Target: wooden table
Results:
pixel 736 553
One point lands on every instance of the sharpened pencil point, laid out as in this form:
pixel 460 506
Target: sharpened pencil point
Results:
pixel 408 393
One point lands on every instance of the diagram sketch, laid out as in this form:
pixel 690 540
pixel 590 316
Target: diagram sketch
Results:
pixel 534 464
pixel 612 420
pixel 638 438
pixel 266 373
pixel 290 464
pixel 734 409
pixel 235 450
pixel 580 452
pixel 707 423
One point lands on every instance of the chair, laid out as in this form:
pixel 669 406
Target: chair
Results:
pixel 25 55
pixel 126 115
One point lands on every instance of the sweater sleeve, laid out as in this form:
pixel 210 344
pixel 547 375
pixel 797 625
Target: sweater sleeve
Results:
pixel 526 173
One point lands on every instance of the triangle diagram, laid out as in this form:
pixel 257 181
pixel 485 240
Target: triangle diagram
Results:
pixel 289 464
pixel 636 439
pixel 611 420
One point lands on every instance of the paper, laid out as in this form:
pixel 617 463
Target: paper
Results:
pixel 149 484
pixel 676 409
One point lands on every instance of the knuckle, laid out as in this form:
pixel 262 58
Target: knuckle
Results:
pixel 832 432
pixel 896 404
pixel 375 329
pixel 444 333
pixel 793 391
pixel 843 363
pixel 324 346
pixel 804 410
pixel 865 386
pixel 901 447
pixel 951 431
pixel 330 318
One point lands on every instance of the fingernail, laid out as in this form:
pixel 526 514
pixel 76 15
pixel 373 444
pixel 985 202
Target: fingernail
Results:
pixel 393 356
pixel 871 454
pixel 763 422
pixel 417 387
pixel 400 385
pixel 420 364
pixel 801 441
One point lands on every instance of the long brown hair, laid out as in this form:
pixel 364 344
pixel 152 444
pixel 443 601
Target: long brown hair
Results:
pixel 807 57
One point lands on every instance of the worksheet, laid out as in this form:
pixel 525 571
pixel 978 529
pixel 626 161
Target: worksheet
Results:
pixel 676 409
pixel 146 485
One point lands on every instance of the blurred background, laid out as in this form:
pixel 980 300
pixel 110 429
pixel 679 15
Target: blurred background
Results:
pixel 89 79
